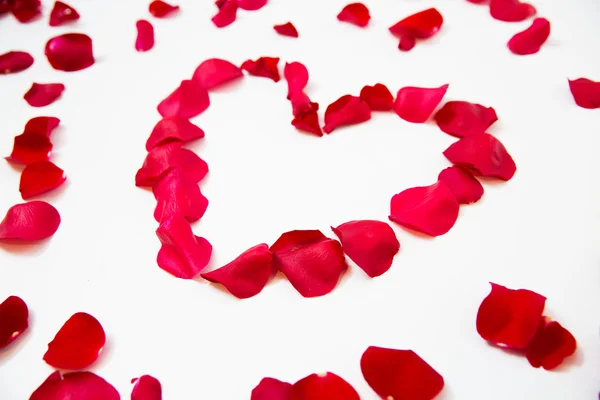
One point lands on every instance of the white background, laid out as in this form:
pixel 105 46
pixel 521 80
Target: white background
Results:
pixel 540 231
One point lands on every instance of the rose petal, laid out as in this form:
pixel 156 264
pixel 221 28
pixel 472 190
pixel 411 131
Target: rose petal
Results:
pixel 531 39
pixel 287 29
pixel 347 110
pixel 26 10
pixel 308 122
pixel 264 66
pixel 377 97
pixel 146 388
pixel 177 195
pixel 432 210
pixel 312 262
pixel 247 275
pixel 511 10
pixel 15 61
pixel 478 1
pixel 252 5
pixel 327 386
pixel 170 155
pixel 187 101
pixel 75 386
pixel 372 245
pixel 43 94
pixel 414 104
pixel 482 155
pixel 77 344
pixel 160 9
pixel 461 118
pixel 421 25
pixel 355 13
pixel 301 104
pixel 407 43
pixel 227 13
pixel 14 316
pixel 70 52
pixel 31 221
pixel 271 389
pixel 550 345
pixel 296 75
pixel 42 125
pixel 40 177
pixel 400 374
pixel 214 72
pixel 62 13
pixel 145 35
pixel 465 187
pixel 173 129
pixel 30 147
pixel 585 92
pixel 182 254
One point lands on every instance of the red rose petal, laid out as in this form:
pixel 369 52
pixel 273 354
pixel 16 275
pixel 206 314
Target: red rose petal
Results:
pixel 271 389
pixel 177 195
pixel 461 118
pixel 400 374
pixel 372 245
pixel 40 177
pixel 421 25
pixel 301 104
pixel 465 187
pixel 31 221
pixel 214 72
pixel 407 43
pixel 77 344
pixel 145 35
pixel 42 125
pixel 312 262
pixel 478 1
pixel 70 52
pixel 296 75
pixel 182 254
pixel 247 275
pixel 187 101
pixel 585 92
pixel 75 386
pixel 414 104
pixel 160 9
pixel 550 345
pixel 308 122
pixel 264 66
pixel 62 13
pixel 355 13
pixel 482 155
pixel 378 97
pixel 146 388
pixel 347 110
pixel 14 316
pixel 252 5
pixel 287 29
pixel 511 10
pixel 171 155
pixel 227 13
pixel 531 39
pixel 43 94
pixel 432 210
pixel 14 61
pixel 327 386
pixel 173 129
pixel 30 147
pixel 26 10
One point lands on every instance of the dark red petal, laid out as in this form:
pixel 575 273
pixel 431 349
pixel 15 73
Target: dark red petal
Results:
pixel 465 187
pixel 167 156
pixel 173 129
pixel 531 39
pixel 407 43
pixel 296 75
pixel 160 9
pixel 461 118
pixel 75 386
pixel 372 245
pixel 77 344
pixel 40 177
pixel 400 374
pixel 510 318
pixel 550 345
pixel 226 14
pixel 145 35
pixel 585 92
pixel 187 101
pixel 271 389
pixel 182 254
pixel 414 104
pixel 62 13
pixel 214 72
pixel 432 210
pixel 177 195
pixel 70 52
pixel 264 66
pixel 252 5
pixel 378 97
pixel 355 13
pixel 30 147
pixel 14 61
pixel 43 94
pixel 247 275
pixel 31 221
pixel 347 110
pixel 26 10
pixel 301 104
pixel 42 125
pixel 421 25
pixel 511 10
pixel 14 316
pixel 327 386
pixel 146 388
pixel 308 122
pixel 287 29
pixel 483 155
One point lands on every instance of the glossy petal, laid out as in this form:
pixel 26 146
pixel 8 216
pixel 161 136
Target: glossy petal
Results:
pixel 296 75
pixel 177 195
pixel 62 14
pixel 550 345
pixel 42 125
pixel 301 104
pixel 511 10
pixel 226 14
pixel 43 94
pixel 461 118
pixel 14 316
pixel 347 110
pixel 287 29
pixel 414 104
pixel 75 386
pixel 252 5
pixel 378 97
pixel 585 92
pixel 40 177
pixel 70 52
pixel 463 185
pixel 271 389
pixel 530 41
pixel 308 122
pixel 30 147
pixel 15 61
pixel 214 72
pixel 264 66
pixel 421 25
pixel 173 130
pixel 187 101
pixel 167 156
pixel 26 10
pixel 327 386
pixel 161 9
pixel 146 388
pixel 355 13
pixel 407 43
pixel 31 221
pixel 145 35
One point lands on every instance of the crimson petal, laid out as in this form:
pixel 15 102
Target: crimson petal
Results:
pixel 414 104
pixel 327 386
pixel 465 187
pixel 287 29
pixel 347 110
pixel 62 13
pixel 70 52
pixel 271 389
pixel 177 195
pixel 511 10
pixel 26 10
pixel 30 147
pixel 421 25
pixel 296 75
pixel 550 345
pixel 145 36
pixel 14 316
pixel 15 61
pixel 42 125
pixel 146 388
pixel 40 177
pixel 355 13
pixel 173 129
pixel 585 92
pixel 378 97
pixel 301 104
pixel 226 14
pixel 530 41
pixel 170 155
pixel 214 72
pixel 308 122
pixel 31 221
pixel 43 94
pixel 187 101
pixel 75 386
pixel 407 43
pixel 461 118
pixel 160 9
pixel 252 5
pixel 264 66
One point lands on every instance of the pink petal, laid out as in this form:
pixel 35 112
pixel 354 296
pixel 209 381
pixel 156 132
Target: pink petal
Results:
pixel 511 10
pixel 407 43
pixel 247 275
pixel 160 9
pixel 252 5
pixel 15 61
pixel 271 389
pixel 167 156
pixel 432 210
pixel 327 386
pixel 414 104
pixel 347 110
pixel 531 39
pixel 70 52
pixel 482 155
pixel 42 125
pixel 26 10
pixel 308 122
pixel 372 245
pixel 43 94
pixel 355 13
pixel 296 75
pixel 187 101
pixel 30 147
pixel 171 130
pixel 377 97
pixel 75 386
pixel 14 316
pixel 40 177
pixel 62 14
pixel 182 254
pixel 550 345
pixel 461 118
pixel 465 187
pixel 145 35
pixel 421 25
pixel 177 195
pixel 585 92
pixel 264 66
pixel 287 29
pixel 146 388
pixel 214 72
pixel 227 13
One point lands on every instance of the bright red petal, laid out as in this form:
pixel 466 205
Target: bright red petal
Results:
pixel 187 101
pixel 146 388
pixel 511 10
pixel 407 43
pixel 301 104
pixel 160 9
pixel 400 374
pixel 296 75
pixel 14 61
pixel 40 177
pixel 31 221
pixel 461 118
pixel 355 13
pixel 247 275
pixel 465 187
pixel 145 35
pixel 378 97
pixel 531 39
pixel 70 52
pixel 252 5
pixel 308 122
pixel 372 245
pixel 171 130
pixel 293 240
pixel 271 389
pixel 62 13
pixel 264 66
pixel 550 345
pixel 43 94
pixel 26 10
pixel 75 386
pixel 226 14
pixel 29 148
pixel 414 104
pixel 14 316
pixel 585 92
pixel 347 110
pixel 421 25
pixel 177 195
pixel 327 386
pixel 287 29
pixel 214 72
pixel 42 125
pixel 167 156
pixel 432 210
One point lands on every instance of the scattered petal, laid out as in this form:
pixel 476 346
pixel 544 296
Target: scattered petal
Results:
pixel 378 97
pixel 407 43
pixel 14 316
pixel 70 52
pixel 511 10
pixel 31 221
pixel 227 13
pixel 287 29
pixel 271 389
pixel 173 129
pixel 461 118
pixel 301 104
pixel 252 5
pixel 42 125
pixel 26 10
pixel 15 61
pixel 421 25
pixel 355 13
pixel 146 388
pixel 160 9
pixel 414 104
pixel 531 39
pixel 214 72
pixel 585 92
pixel 170 155
pixel 177 195
pixel 347 110
pixel 43 94
pixel 465 187
pixel 264 66
pixel 187 101
pixel 327 386
pixel 30 147
pixel 308 122
pixel 550 345
pixel 145 36
pixel 62 14
pixel 296 75
pixel 40 177
pixel 75 386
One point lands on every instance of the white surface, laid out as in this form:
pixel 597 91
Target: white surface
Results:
pixel 539 231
